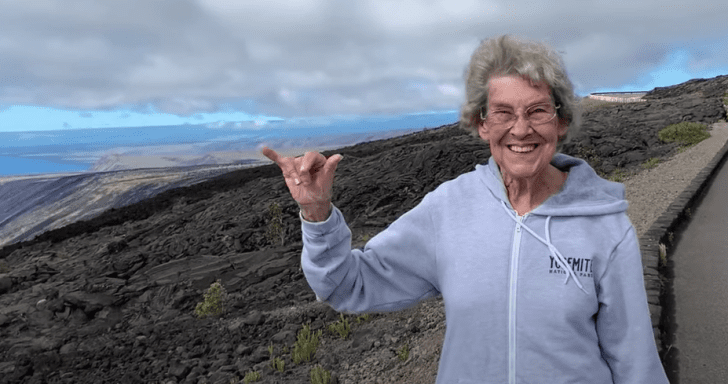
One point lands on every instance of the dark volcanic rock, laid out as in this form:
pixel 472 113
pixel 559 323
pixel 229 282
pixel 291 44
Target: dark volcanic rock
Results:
pixel 6 284
pixel 112 299
pixel 625 136
pixel 706 88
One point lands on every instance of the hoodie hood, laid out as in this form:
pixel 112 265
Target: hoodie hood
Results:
pixel 583 194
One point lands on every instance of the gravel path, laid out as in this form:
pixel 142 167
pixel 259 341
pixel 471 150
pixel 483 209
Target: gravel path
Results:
pixel 651 191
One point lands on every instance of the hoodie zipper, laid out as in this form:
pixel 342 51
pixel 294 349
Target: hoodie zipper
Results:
pixel 513 290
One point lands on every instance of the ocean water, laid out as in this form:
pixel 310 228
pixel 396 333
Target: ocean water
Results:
pixel 10 165
pixel 77 150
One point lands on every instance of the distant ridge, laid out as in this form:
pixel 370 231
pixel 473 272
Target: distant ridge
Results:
pixel 624 97
pixel 620 93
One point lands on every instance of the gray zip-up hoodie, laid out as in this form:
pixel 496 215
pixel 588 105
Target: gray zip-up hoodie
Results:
pixel 553 296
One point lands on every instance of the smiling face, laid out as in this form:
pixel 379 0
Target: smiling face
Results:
pixel 521 150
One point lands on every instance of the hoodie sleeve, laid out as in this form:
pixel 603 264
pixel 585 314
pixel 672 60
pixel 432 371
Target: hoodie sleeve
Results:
pixel 395 270
pixel 623 321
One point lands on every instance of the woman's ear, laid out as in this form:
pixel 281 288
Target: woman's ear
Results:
pixel 483 131
pixel 562 128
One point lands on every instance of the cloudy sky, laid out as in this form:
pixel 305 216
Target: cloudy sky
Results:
pixel 115 63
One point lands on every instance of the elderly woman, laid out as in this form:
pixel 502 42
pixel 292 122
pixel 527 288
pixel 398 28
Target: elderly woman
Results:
pixel 533 253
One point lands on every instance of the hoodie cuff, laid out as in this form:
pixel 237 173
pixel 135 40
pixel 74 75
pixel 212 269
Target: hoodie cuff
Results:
pixel 319 225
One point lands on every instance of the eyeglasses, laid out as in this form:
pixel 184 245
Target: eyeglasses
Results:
pixel 536 115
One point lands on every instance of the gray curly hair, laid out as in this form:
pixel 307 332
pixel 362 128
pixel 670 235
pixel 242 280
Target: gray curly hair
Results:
pixel 506 55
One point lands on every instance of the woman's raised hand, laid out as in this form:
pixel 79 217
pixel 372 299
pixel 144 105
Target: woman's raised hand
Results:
pixel 310 179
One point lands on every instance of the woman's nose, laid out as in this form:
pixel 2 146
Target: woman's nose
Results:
pixel 521 127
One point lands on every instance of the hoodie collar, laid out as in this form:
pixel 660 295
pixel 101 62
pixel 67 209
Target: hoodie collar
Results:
pixel 584 193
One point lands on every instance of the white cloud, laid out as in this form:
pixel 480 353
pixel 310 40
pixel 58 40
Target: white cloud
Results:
pixel 326 57
pixel 413 17
pixel 160 71
pixel 450 89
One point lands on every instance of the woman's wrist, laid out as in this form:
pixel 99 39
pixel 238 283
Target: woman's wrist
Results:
pixel 316 212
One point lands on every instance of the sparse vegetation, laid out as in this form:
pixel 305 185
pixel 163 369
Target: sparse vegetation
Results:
pixel 4 267
pixel 278 364
pixel 663 254
pixel 403 353
pixel 588 104
pixel 320 376
pixel 342 327
pixel 306 344
pixel 618 175
pixel 686 134
pixel 214 302
pixel 251 377
pixel 363 318
pixel 590 156
pixel 651 163
pixel 274 231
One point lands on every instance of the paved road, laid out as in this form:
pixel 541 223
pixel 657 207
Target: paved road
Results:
pixel 701 289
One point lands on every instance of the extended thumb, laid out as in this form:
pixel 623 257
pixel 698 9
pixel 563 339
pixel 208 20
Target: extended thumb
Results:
pixel 332 162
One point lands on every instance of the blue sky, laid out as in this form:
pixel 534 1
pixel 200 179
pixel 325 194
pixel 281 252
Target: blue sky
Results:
pixel 249 64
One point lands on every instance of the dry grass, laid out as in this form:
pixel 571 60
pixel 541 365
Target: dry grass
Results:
pixel 589 105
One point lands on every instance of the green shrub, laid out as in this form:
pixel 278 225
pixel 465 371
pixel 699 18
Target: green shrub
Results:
pixel 363 318
pixel 306 344
pixel 214 303
pixel 403 353
pixel 251 377
pixel 278 364
pixel 341 327
pixel 275 233
pixel 685 133
pixel 320 376
pixel 651 163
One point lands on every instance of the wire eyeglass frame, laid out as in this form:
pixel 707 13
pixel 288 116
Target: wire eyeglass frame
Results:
pixel 513 118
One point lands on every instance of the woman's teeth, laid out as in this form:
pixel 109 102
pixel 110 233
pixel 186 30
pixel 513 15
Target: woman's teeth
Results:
pixel 523 148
